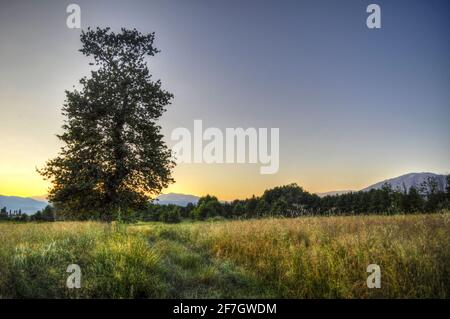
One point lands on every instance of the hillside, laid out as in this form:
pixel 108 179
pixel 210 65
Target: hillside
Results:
pixel 407 181
pixel 399 183
pixel 27 205
pixel 31 205
pixel 176 199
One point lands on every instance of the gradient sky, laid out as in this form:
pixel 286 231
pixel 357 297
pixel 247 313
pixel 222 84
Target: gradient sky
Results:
pixel 354 106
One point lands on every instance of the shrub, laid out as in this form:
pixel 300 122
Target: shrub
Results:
pixel 172 215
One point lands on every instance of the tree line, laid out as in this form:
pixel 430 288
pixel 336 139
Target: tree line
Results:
pixel 114 158
pixel 283 201
pixel 47 214
pixel 293 201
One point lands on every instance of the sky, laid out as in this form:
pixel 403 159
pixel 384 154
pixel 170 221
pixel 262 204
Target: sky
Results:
pixel 353 105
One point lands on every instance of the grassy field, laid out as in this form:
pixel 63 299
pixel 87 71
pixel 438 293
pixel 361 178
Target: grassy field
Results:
pixel 309 257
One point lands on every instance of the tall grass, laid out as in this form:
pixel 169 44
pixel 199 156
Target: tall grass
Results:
pixel 318 257
pixel 34 258
pixel 309 257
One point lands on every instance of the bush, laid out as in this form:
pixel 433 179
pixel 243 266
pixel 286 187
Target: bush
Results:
pixel 172 215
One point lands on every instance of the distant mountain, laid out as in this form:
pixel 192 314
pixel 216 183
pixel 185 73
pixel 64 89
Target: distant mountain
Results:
pixel 399 183
pixel 407 181
pixel 41 198
pixel 31 205
pixel 27 205
pixel 176 199
pixel 332 193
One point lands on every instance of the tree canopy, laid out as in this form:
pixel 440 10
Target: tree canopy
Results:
pixel 113 158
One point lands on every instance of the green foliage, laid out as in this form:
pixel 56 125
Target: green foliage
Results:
pixel 15 215
pixel 428 198
pixel 4 214
pixel 412 201
pixel 207 207
pixel 286 201
pixel 291 201
pixel 125 216
pixel 172 215
pixel 114 156
pixel 46 215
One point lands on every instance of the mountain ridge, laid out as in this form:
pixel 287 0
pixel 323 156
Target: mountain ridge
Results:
pixel 406 181
pixel 176 199
pixel 399 183
pixel 26 204
pixel 29 205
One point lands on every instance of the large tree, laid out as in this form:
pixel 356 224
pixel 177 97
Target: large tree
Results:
pixel 114 158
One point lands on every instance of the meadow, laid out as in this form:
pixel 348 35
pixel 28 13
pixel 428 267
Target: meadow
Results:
pixel 305 257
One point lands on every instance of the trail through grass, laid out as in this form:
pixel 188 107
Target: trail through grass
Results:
pixel 309 257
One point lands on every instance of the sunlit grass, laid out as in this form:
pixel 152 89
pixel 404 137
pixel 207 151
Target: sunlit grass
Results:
pixel 309 257
pixel 318 257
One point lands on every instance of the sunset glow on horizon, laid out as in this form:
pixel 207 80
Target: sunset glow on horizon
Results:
pixel 353 106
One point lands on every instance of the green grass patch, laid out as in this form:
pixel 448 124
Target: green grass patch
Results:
pixel 309 257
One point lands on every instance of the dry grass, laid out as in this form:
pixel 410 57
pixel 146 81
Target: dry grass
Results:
pixel 327 257
pixel 310 257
